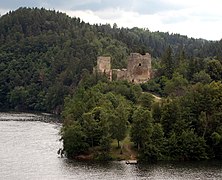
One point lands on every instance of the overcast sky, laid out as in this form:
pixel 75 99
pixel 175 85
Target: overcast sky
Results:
pixel 194 18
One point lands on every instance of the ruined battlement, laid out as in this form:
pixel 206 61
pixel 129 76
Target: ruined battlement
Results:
pixel 138 68
pixel 104 66
pixel 104 63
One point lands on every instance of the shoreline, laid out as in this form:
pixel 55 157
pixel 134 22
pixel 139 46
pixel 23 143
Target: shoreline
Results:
pixel 29 116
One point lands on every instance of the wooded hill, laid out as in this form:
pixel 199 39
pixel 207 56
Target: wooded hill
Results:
pixel 44 54
pixel 46 62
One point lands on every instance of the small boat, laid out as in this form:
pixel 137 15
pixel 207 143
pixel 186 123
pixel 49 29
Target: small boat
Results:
pixel 131 162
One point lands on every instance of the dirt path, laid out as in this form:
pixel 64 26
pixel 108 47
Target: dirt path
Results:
pixel 131 153
pixel 156 97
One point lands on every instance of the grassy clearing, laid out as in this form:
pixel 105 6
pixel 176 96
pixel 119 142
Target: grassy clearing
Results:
pixel 126 150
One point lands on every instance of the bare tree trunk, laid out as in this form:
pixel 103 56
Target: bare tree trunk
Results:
pixel 206 124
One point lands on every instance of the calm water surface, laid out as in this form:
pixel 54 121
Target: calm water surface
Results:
pixel 28 150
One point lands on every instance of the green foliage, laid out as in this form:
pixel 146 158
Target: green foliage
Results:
pixel 48 53
pixel 214 69
pixel 119 121
pixel 142 127
pixel 146 100
pixel 102 111
pixel 176 86
pixel 156 111
pixel 149 153
pixel 46 64
pixel 152 86
pixel 74 140
pixel 187 146
pixel 168 63
pixel 153 148
pixel 92 127
pixel 18 97
pixel 217 143
pixel 216 137
pixel 185 127
pixel 192 128
pixel 105 144
pixel 51 50
pixel 153 151
pixel 171 114
pixel 158 136
pixel 194 66
pixel 202 77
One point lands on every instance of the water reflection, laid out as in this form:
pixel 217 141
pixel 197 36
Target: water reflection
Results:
pixel 100 170
pixel 120 170
pixel 19 116
pixel 29 151
pixel 185 170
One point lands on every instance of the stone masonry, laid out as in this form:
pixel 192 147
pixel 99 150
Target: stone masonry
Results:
pixel 138 68
pixel 104 66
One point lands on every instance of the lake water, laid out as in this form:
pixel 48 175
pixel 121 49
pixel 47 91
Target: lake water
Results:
pixel 29 145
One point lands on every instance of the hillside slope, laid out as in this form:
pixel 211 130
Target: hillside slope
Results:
pixel 43 54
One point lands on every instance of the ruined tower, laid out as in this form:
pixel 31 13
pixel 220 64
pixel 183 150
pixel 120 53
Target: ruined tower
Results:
pixel 104 66
pixel 139 68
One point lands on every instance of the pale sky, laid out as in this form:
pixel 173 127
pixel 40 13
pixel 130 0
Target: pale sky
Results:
pixel 194 18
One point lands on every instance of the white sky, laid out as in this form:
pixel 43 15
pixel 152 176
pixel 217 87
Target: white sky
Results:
pixel 194 18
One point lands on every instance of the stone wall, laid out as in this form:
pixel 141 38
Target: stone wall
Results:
pixel 138 68
pixel 104 66
pixel 120 74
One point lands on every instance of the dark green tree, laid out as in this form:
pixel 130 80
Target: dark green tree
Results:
pixel 214 69
pixel 176 86
pixel 74 140
pixel 146 100
pixel 119 122
pixel 202 77
pixel 141 130
pixel 168 63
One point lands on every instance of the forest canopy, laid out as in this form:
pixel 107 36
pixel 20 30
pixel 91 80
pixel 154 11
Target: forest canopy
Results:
pixel 46 64
pixel 188 127
pixel 44 54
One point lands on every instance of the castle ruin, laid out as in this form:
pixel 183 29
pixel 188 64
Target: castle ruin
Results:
pixel 138 68
pixel 104 66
